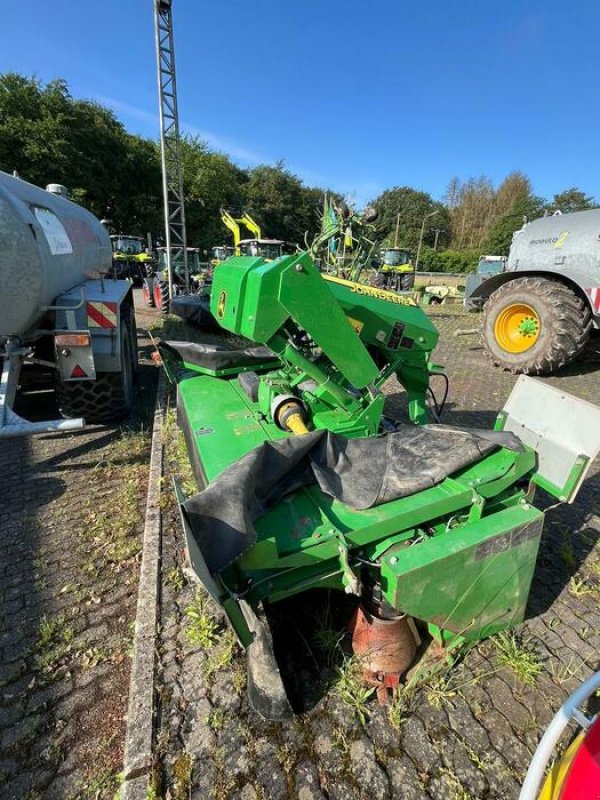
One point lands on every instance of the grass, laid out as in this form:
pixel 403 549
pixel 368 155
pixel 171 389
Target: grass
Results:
pixel 563 672
pixel 175 579
pixel 221 656
pixel 54 642
pixel 216 719
pixel 580 587
pixel 352 689
pixel 397 710
pixel 326 637
pixel 201 628
pixel 519 655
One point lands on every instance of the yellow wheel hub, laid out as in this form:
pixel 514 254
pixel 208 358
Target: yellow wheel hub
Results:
pixel 517 328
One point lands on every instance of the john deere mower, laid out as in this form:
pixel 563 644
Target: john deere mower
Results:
pixel 305 483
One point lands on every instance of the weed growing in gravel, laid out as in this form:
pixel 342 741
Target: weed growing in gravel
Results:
pixel 398 709
pixel 55 638
pixel 175 579
pixel 440 690
pixel 238 679
pixel 182 775
pixel 216 719
pixel 563 672
pixel 519 655
pixel 326 637
pixel 201 627
pixel 580 587
pixel 221 656
pixel 566 553
pixel 352 690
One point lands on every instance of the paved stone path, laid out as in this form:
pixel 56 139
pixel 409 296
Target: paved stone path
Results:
pixel 469 734
pixel 71 515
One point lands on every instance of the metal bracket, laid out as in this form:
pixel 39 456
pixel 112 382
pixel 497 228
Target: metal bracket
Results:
pixel 352 584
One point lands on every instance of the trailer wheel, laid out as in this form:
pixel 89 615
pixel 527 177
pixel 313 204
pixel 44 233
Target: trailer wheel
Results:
pixel 161 296
pixel 534 326
pixel 147 293
pixel 110 397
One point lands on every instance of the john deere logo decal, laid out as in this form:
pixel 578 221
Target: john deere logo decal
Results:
pixel 221 304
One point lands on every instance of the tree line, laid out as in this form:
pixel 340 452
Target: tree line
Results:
pixel 48 136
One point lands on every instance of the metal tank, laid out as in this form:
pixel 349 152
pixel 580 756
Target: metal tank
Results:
pixel 48 245
pixel 559 243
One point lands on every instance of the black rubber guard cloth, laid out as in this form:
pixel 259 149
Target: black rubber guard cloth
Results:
pixel 218 356
pixel 195 308
pixel 360 472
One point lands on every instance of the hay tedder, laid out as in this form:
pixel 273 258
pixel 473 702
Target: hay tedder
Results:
pixel 306 483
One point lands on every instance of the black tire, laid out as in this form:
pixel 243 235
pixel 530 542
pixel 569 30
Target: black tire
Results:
pixel 148 293
pixel 564 319
pixel 110 397
pixel 161 296
pixel 407 281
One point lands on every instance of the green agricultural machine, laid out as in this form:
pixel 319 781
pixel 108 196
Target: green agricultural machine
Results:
pixel 305 483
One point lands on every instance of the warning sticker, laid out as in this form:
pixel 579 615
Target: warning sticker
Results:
pixel 56 236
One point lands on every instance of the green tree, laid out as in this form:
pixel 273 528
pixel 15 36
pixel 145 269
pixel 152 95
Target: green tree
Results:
pixel 48 137
pixel 281 203
pixel 573 199
pixel 412 206
pixel 211 182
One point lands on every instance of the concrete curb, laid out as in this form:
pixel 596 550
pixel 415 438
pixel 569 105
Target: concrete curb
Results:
pixel 140 715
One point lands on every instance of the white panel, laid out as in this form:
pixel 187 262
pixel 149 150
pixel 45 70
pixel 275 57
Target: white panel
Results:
pixel 557 425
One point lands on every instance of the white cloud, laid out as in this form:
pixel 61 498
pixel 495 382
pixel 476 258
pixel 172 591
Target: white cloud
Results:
pixel 356 193
pixel 236 151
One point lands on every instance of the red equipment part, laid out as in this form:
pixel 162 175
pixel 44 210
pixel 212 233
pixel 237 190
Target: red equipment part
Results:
pixel 583 777
pixel 385 647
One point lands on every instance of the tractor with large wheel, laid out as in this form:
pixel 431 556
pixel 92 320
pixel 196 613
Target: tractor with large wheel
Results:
pixel 63 320
pixel 155 289
pixel 539 312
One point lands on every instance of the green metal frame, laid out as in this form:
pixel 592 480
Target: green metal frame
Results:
pixel 459 556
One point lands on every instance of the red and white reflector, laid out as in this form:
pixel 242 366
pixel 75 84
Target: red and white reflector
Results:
pixel 102 315
pixel 594 295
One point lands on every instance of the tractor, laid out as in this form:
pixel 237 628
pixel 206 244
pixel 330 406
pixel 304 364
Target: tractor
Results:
pixel 304 482
pixel 155 289
pixel 131 258
pixel 257 246
pixel 395 270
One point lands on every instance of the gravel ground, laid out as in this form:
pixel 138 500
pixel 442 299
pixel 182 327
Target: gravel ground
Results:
pixel 469 733
pixel 71 519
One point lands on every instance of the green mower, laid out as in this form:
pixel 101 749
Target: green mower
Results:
pixel 305 483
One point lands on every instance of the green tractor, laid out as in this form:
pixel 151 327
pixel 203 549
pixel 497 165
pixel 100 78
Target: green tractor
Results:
pixel 131 258
pixel 431 532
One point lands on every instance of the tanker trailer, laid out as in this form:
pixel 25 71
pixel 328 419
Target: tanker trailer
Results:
pixel 538 314
pixel 58 311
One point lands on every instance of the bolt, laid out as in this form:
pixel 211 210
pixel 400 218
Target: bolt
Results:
pixel 316 535
pixel 299 268
pixel 394 560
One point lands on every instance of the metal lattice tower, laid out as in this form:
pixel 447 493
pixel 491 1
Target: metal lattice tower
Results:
pixel 172 172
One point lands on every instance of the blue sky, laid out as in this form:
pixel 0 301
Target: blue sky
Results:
pixel 353 95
